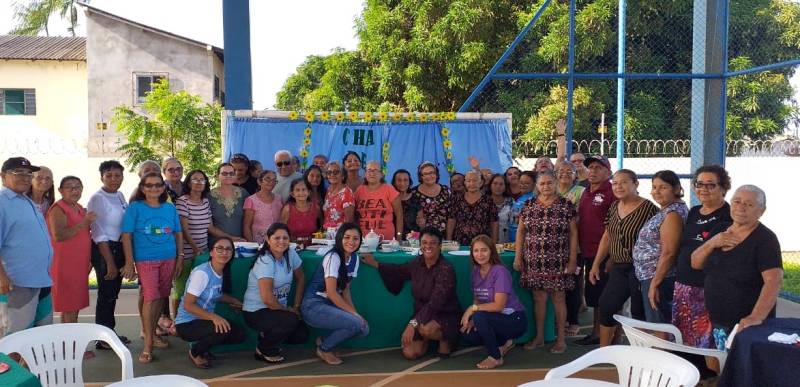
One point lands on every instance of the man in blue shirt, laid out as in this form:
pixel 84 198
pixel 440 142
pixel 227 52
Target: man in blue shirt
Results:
pixel 25 250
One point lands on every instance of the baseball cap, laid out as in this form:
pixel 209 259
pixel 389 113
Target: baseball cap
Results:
pixel 603 160
pixel 18 162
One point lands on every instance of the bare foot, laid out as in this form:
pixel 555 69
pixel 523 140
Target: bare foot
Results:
pixel 535 343
pixel 558 348
pixel 506 347
pixel 490 363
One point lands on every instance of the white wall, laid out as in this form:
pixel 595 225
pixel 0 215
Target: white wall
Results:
pixel 777 176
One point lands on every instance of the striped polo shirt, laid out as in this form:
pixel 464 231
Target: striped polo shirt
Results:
pixel 622 232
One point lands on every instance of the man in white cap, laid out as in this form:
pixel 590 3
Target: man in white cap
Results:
pixel 25 250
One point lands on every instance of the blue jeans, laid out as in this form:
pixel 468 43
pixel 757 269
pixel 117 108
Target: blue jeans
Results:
pixel 493 329
pixel 321 313
pixel 665 292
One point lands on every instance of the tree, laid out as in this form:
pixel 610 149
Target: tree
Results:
pixel 33 16
pixel 428 55
pixel 174 124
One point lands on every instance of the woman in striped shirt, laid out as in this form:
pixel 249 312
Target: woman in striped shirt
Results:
pixel 624 220
pixel 195 215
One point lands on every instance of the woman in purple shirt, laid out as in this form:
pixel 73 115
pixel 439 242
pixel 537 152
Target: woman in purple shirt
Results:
pixel 496 315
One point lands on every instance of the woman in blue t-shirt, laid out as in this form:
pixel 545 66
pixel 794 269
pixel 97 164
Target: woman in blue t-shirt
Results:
pixel 327 303
pixel 496 315
pixel 266 308
pixel 153 246
pixel 195 319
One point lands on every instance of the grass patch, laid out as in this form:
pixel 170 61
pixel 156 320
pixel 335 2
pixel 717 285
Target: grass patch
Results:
pixel 791 273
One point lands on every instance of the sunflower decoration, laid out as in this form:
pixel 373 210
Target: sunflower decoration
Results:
pixel 306 141
pixel 293 115
pixel 309 116
pixel 325 116
pixel 304 154
pixel 397 116
pixel 307 132
pixel 411 117
pixel 436 117
pixel 383 116
pixel 448 149
pixel 306 144
pixel 339 116
pixel 367 116
pixel 450 116
pixel 352 116
pixel 423 117
pixel 445 132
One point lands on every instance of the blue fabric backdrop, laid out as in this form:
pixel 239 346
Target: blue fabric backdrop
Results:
pixel 410 143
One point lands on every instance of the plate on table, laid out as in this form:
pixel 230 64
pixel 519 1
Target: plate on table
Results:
pixel 461 253
pixel 315 247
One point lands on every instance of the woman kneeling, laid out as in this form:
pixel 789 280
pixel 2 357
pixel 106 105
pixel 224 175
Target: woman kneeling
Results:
pixel 196 320
pixel 265 301
pixel 496 315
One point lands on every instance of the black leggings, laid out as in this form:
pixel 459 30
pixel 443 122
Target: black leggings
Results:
pixel 622 284
pixel 205 336
pixel 276 327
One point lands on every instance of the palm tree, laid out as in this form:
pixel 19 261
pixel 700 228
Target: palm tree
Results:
pixel 32 16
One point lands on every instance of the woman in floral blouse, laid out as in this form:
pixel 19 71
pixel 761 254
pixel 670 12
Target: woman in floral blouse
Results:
pixel 472 213
pixel 432 197
pixel 339 204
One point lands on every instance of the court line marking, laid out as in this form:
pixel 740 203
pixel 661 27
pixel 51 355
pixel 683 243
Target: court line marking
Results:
pixel 291 364
pixel 419 366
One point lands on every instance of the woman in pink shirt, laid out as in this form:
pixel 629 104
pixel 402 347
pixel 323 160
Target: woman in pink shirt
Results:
pixel 261 209
pixel 378 205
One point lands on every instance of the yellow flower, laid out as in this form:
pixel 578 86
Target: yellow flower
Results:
pixel 382 116
pixel 353 116
pixel 451 116
pixel 435 117
pixel 447 144
pixel 386 159
pixel 307 141
pixel 309 116
pixel 410 117
pixel 423 118
pixel 385 146
pixel 303 153
pixel 325 116
pixel 397 116
pixel 368 116
pixel 445 132
pixel 339 116
pixel 307 132
pixel 449 155
pixel 292 115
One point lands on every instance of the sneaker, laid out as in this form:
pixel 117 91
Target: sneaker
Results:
pixel 267 359
pixel 588 340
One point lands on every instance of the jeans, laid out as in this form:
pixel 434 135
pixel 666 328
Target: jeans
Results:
pixel 321 313
pixel 493 329
pixel 204 335
pixel 663 314
pixel 107 290
pixel 276 327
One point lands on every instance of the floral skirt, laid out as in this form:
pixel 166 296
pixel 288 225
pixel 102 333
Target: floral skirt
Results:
pixel 689 314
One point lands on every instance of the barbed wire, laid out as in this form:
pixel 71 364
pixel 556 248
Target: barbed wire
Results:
pixel 660 148
pixel 37 146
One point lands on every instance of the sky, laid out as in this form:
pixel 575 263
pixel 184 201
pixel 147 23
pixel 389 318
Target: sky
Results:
pixel 282 33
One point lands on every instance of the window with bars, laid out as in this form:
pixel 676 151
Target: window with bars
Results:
pixel 18 102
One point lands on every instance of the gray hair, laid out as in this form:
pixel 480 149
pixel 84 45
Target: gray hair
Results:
pixel 761 196
pixel 168 160
pixel 282 152
pixel 547 172
pixel 373 162
pixel 474 172
pixel 143 164
pixel 563 162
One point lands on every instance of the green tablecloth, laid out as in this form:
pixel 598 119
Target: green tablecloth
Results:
pixel 17 376
pixel 386 313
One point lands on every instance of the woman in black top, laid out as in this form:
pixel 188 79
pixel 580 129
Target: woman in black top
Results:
pixel 689 313
pixel 625 218
pixel 743 267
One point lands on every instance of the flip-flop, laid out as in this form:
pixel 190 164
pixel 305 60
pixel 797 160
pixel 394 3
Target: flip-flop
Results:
pixel 199 361
pixel 508 346
pixel 145 357
pixel 531 345
pixel 160 342
pixel 555 349
pixel 497 363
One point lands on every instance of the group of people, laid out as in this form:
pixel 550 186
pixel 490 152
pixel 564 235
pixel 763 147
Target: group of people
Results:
pixel 580 234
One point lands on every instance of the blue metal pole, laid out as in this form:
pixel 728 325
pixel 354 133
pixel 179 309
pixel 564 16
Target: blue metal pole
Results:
pixel 757 69
pixel 621 85
pixel 503 58
pixel 571 79
pixel 238 71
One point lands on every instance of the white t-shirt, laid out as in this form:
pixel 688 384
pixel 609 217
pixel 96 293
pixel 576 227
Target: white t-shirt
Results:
pixel 109 207
pixel 281 275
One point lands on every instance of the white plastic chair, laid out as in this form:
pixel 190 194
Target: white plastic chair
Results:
pixel 636 367
pixel 638 338
pixel 54 353
pixel 160 380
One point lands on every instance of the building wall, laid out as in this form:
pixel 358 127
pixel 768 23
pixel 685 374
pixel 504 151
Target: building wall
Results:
pixel 116 50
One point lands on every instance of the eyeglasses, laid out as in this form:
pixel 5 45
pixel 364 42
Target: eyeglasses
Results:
pixel 153 185
pixel 72 188
pixel 175 170
pixel 428 173
pixel 44 178
pixel 706 186
pixel 198 181
pixel 268 179
pixel 280 164
pixel 333 172
pixel 22 173
pixel 227 174
pixel 223 249
pixel 373 170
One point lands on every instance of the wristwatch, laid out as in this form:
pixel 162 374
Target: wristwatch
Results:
pixel 474 307
pixel 413 322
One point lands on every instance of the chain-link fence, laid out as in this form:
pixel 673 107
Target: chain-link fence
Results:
pixel 662 100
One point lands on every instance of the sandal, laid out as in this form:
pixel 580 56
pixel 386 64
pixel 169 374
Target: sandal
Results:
pixel 268 359
pixel 160 342
pixel 572 330
pixel 532 345
pixel 558 349
pixel 490 363
pixel 199 361
pixel 328 357
pixel 507 347
pixel 145 357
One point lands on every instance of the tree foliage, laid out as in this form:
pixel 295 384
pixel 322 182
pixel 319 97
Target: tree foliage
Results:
pixel 428 55
pixel 32 16
pixel 174 124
